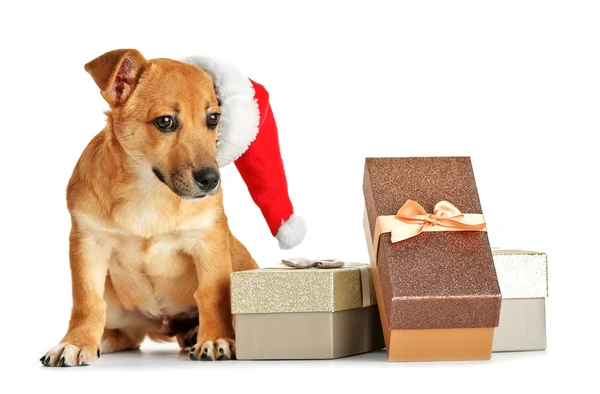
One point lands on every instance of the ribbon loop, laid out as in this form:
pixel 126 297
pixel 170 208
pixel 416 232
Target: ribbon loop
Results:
pixel 445 209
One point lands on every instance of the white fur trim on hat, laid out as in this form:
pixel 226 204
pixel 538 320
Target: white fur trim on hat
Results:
pixel 292 232
pixel 240 118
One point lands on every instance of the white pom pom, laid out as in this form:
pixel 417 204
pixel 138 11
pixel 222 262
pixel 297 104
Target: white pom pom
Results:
pixel 292 232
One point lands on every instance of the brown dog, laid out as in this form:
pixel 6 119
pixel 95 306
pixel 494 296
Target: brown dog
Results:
pixel 150 249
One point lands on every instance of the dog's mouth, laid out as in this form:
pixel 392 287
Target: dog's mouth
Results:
pixel 186 190
pixel 203 194
pixel 159 175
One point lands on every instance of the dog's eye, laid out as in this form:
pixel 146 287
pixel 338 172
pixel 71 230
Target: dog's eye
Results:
pixel 212 120
pixel 165 123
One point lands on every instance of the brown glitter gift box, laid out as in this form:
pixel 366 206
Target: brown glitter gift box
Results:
pixel 437 291
pixel 311 313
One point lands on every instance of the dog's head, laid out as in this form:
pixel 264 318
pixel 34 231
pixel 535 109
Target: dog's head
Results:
pixel 165 114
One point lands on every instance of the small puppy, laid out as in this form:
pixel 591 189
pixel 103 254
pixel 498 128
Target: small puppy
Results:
pixel 150 249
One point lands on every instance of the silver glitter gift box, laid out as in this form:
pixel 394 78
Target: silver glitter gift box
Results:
pixel 523 279
pixel 312 313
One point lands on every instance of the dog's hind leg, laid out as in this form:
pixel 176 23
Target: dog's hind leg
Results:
pixel 240 257
pixel 187 339
pixel 115 340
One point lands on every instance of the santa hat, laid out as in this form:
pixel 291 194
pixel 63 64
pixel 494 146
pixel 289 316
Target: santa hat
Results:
pixel 248 138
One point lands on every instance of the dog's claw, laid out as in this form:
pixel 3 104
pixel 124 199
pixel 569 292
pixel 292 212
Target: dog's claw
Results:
pixel 204 357
pixel 45 360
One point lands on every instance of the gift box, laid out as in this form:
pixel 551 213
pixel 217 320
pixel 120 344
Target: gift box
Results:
pixel 313 313
pixel 433 270
pixel 523 279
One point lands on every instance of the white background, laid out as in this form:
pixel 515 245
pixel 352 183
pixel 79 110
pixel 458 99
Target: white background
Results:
pixel 513 84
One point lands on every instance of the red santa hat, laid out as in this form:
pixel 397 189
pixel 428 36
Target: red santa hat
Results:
pixel 248 137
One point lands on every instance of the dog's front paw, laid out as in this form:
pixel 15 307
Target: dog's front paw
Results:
pixel 70 355
pixel 211 350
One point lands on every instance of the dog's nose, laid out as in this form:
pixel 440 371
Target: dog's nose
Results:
pixel 207 179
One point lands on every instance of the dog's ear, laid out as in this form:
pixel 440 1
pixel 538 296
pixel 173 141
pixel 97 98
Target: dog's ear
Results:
pixel 116 73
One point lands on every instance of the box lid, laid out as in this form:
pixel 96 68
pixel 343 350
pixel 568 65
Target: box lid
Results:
pixel 438 279
pixel 281 290
pixel 521 273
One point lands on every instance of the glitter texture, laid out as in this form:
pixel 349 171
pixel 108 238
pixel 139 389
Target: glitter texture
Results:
pixel 436 279
pixel 281 290
pixel 521 273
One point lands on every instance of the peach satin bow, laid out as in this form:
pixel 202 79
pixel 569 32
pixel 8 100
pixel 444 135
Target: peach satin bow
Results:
pixel 412 219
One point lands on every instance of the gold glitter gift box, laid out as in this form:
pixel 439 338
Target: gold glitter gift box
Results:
pixel 433 270
pixel 313 313
pixel 523 279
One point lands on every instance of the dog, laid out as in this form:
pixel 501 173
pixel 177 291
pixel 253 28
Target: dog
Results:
pixel 150 248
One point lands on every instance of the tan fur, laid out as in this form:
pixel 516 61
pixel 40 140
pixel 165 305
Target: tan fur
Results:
pixel 141 254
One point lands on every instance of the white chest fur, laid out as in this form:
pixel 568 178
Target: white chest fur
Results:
pixel 149 257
